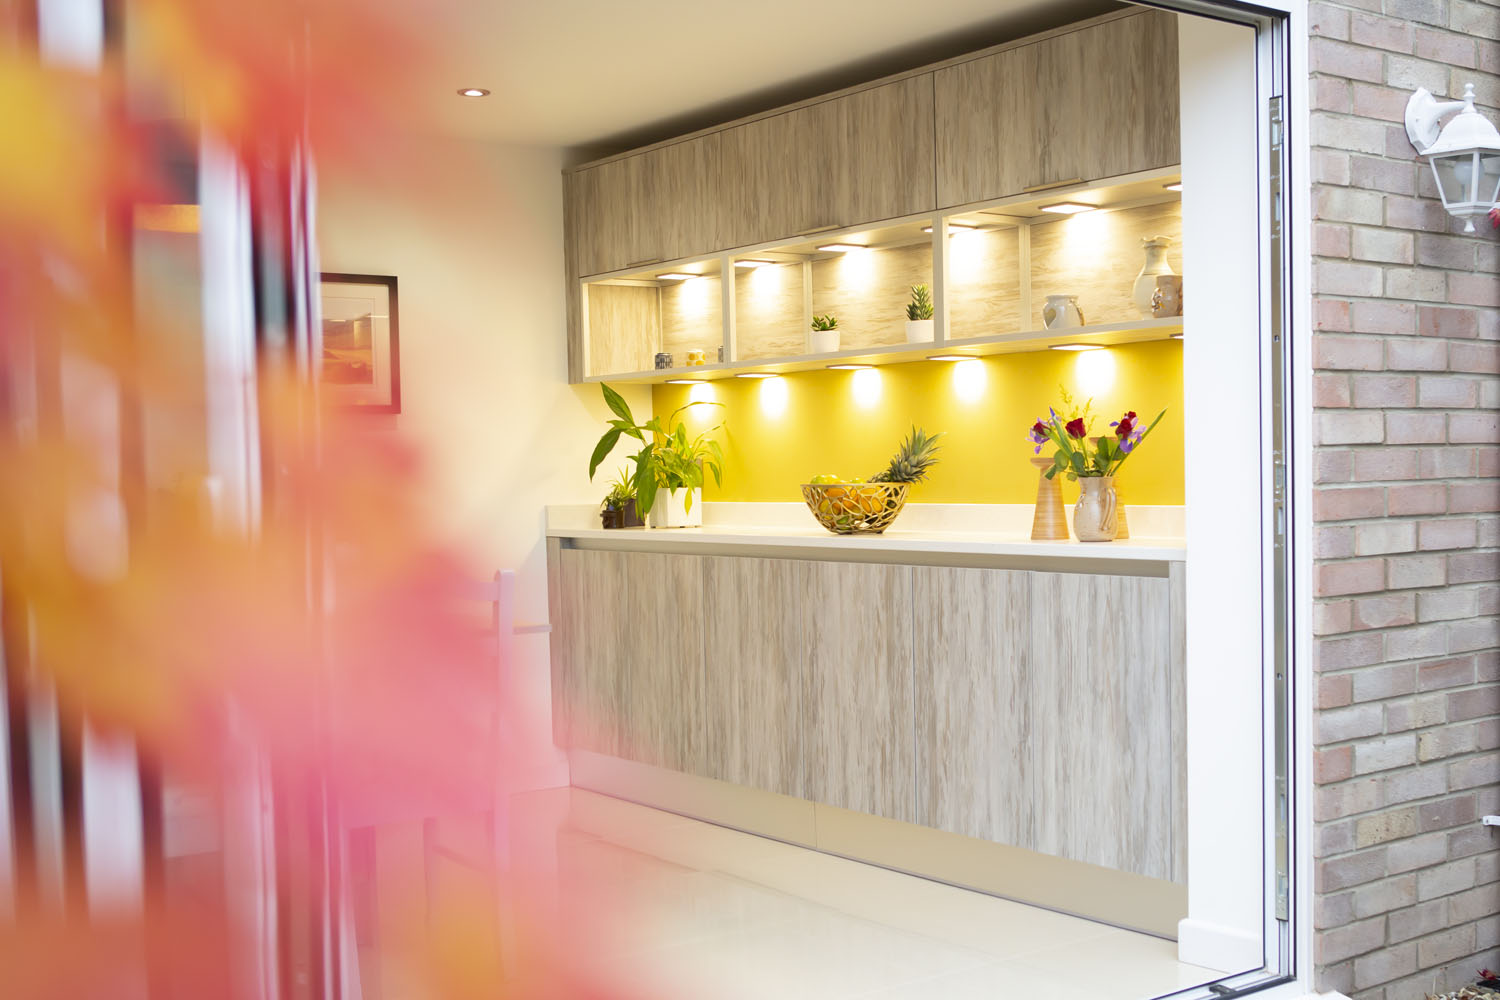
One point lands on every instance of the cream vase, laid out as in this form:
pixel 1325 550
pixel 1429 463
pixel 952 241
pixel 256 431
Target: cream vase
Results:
pixel 1094 515
pixel 670 510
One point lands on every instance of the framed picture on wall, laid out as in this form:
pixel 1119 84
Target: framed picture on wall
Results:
pixel 361 366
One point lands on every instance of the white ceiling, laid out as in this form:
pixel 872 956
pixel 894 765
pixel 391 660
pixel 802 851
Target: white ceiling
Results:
pixel 597 74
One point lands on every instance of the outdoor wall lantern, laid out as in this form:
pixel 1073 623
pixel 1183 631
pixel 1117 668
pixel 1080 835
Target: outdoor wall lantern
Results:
pixel 1465 153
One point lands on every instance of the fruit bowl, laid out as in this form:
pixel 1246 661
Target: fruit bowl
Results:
pixel 855 508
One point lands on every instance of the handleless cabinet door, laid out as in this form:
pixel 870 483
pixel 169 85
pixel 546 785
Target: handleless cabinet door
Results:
pixel 1082 105
pixel 587 690
pixel 632 677
pixel 1102 693
pixel 857 702
pixel 753 656
pixel 778 175
pixel 1136 102
pixel 984 110
pixel 680 210
pixel 973 703
pixel 661 660
pixel 885 163
pixel 606 216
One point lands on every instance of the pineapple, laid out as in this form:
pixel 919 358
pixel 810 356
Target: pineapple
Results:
pixel 911 463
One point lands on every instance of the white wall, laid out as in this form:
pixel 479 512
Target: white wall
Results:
pixel 474 235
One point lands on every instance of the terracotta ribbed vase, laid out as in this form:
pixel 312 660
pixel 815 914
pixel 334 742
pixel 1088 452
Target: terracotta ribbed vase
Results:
pixel 1049 523
pixel 1094 515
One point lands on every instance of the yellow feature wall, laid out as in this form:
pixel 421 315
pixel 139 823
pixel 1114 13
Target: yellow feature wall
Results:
pixel 780 432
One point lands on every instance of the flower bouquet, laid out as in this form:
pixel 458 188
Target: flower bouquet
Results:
pixel 1092 461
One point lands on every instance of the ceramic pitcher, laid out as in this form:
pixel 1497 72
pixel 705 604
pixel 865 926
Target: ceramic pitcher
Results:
pixel 1094 514
pixel 1061 312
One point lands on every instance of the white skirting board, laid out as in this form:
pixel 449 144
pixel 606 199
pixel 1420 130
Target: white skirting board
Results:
pixel 1123 899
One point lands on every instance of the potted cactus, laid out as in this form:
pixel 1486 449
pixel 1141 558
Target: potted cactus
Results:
pixel 824 338
pixel 919 315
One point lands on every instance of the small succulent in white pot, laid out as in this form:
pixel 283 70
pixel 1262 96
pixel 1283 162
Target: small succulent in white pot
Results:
pixel 919 315
pixel 824 337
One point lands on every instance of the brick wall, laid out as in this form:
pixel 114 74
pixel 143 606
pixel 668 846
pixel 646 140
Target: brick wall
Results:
pixel 1406 350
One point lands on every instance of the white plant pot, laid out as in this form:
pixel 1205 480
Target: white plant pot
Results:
pixel 823 341
pixel 919 331
pixel 670 510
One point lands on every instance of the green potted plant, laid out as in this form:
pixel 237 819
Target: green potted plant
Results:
pixel 824 338
pixel 618 508
pixel 669 468
pixel 919 315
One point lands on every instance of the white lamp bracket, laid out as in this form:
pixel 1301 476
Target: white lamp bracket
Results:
pixel 1423 115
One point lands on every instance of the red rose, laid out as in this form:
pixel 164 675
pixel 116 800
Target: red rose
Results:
pixel 1039 429
pixel 1075 428
pixel 1123 428
pixel 1129 414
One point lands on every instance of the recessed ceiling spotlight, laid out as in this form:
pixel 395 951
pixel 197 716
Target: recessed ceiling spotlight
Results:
pixel 1068 207
pixel 951 357
pixel 1174 186
pixel 676 276
pixel 841 247
pixel 755 375
pixel 473 92
pixel 1078 347
pixel 850 368
pixel 953 227
pixel 685 381
pixel 750 263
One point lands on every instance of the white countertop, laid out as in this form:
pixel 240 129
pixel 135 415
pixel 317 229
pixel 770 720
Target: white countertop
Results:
pixel 972 530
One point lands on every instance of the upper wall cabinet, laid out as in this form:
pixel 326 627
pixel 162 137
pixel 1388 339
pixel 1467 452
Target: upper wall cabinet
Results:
pixel 842 162
pixel 641 209
pixel 1097 102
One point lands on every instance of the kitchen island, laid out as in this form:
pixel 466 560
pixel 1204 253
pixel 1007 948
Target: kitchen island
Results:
pixel 950 698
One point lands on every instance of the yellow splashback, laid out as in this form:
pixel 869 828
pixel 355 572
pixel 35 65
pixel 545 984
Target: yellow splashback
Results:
pixel 780 432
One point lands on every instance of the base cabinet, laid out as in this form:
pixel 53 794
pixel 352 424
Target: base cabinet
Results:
pixel 857 688
pixel 1033 709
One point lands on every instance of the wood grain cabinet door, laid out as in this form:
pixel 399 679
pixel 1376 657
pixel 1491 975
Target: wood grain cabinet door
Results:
pixel 778 175
pixel 1102 669
pixel 606 215
pixel 1082 105
pixel 1130 95
pixel 857 732
pixel 884 165
pixel 588 698
pixel 679 213
pixel 661 660
pixel 753 663
pixel 972 630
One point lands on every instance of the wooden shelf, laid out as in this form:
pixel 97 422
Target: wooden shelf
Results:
pixel 1103 334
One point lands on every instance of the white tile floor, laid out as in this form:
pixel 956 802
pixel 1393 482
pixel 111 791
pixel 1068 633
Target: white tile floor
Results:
pixel 713 913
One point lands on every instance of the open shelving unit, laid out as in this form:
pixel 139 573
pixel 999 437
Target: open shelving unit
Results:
pixel 990 267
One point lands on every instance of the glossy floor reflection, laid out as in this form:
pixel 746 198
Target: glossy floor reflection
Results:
pixel 710 912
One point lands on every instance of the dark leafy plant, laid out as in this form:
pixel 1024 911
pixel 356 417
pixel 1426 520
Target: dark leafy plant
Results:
pixel 621 490
pixel 670 459
pixel 829 322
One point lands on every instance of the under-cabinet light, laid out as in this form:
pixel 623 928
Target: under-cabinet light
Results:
pixel 1174 186
pixel 684 381
pixel 750 263
pixel 953 227
pixel 676 276
pixel 950 357
pixel 1068 208
pixel 1078 347
pixel 841 247
pixel 849 367
pixel 1176 336
pixel 755 375
pixel 473 92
